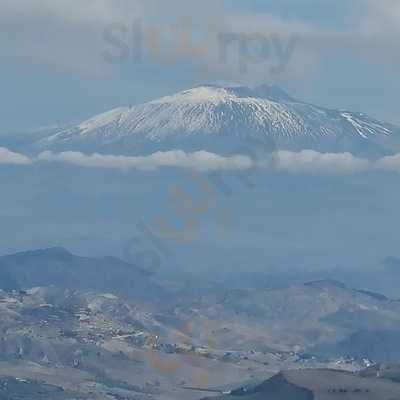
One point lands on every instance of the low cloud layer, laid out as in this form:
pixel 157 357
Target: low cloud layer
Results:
pixel 391 163
pixel 294 162
pixel 305 161
pixel 11 158
pixel 200 160
pixel 313 161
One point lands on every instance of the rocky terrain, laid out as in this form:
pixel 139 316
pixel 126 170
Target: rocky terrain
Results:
pixel 68 338
pixel 322 317
pixel 97 343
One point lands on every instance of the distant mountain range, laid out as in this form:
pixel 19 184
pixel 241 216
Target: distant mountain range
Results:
pixel 222 119
pixel 322 317
pixel 105 324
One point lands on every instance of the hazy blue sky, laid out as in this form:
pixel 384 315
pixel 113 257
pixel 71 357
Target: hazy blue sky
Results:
pixel 345 54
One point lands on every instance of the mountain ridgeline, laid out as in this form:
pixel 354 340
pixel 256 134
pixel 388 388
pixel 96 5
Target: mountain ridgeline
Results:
pixel 58 267
pixel 221 119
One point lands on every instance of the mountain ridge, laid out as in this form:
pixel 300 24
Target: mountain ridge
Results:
pixel 58 267
pixel 219 118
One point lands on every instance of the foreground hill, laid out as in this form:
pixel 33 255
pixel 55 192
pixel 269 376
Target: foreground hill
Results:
pixel 319 385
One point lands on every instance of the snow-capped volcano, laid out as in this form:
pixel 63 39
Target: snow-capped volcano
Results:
pixel 221 118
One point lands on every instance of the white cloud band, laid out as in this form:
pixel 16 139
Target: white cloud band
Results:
pixel 200 160
pixel 313 161
pixel 305 161
pixel 9 157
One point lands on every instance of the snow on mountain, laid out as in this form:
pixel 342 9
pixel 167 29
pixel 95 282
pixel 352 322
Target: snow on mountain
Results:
pixel 220 118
